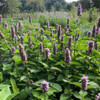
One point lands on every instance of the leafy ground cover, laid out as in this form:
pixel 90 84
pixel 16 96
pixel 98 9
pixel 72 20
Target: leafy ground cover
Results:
pixel 65 55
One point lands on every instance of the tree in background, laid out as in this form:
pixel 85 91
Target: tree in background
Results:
pixel 10 6
pixel 34 5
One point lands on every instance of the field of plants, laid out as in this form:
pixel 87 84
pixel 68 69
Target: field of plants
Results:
pixel 54 58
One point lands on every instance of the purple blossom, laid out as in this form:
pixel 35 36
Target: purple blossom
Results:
pixel 94 30
pixel 89 33
pixel 70 42
pixel 16 28
pixel 22 53
pixel 84 83
pixel 98 23
pixel 41 47
pixel 59 32
pixel 45 86
pixel 90 47
pixel 30 19
pixel 20 24
pixel 21 38
pixel 79 10
pixel 67 56
pixel 51 33
pixel 13 50
pixel 98 96
pixel 47 53
pixel 12 32
pixel 0 17
pixel 54 48
pixel 42 31
pixel 48 24
pixel 96 45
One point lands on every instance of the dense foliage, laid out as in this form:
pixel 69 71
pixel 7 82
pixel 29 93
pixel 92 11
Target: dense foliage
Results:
pixel 54 58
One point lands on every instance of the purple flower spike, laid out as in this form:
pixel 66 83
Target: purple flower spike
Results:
pixel 98 22
pixel 0 17
pixel 96 45
pixel 45 86
pixel 67 56
pixel 47 53
pixel 70 42
pixel 79 10
pixel 84 83
pixel 54 48
pixel 41 47
pixel 16 28
pixel 94 30
pixel 42 31
pixel 89 33
pixel 98 96
pixel 90 47
pixel 48 24
pixel 30 19
pixel 13 50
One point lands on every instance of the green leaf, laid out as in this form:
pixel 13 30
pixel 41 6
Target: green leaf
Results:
pixel 10 97
pixel 92 84
pixel 14 86
pixel 56 69
pixel 17 59
pixel 5 93
pixel 83 93
pixel 77 95
pixel 2 86
pixel 56 86
pixel 1 77
pixel 7 67
pixel 63 97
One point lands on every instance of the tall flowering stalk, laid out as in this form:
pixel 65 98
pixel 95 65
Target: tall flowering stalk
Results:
pixel 98 23
pixel 89 33
pixel 45 86
pixel 1 35
pixel 22 53
pixel 47 53
pixel 61 45
pixel 41 48
pixel 42 31
pixel 13 50
pixel 12 32
pixel 94 30
pixel 90 47
pixel 84 83
pixel 30 19
pixel 97 30
pixel 16 28
pixel 96 45
pixel 68 20
pixel 54 48
pixel 70 42
pixel 67 56
pixel 59 32
pixel 0 17
pixel 21 38
pixel 51 33
pixel 20 24
pixel 79 10
pixel 48 23
pixel 98 96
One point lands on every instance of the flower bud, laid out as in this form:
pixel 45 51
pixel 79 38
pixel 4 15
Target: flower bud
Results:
pixel 94 30
pixel 98 23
